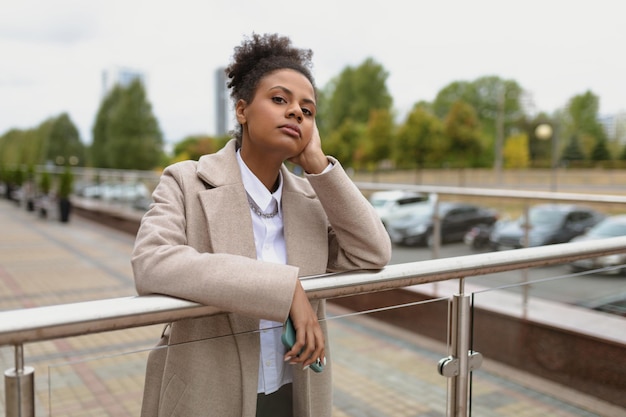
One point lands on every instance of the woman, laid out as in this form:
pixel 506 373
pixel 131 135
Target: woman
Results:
pixel 236 230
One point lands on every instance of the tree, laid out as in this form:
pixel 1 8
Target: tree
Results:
pixel 496 101
pixel 64 144
pixel 10 148
pixel 128 133
pixel 583 122
pixel 600 151
pixel 342 142
pixel 572 151
pixel 353 95
pixel 193 147
pixel 462 128
pixel 101 128
pixel 420 139
pixel 516 151
pixel 379 137
pixel 27 147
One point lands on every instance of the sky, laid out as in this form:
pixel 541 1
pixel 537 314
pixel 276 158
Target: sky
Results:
pixel 53 52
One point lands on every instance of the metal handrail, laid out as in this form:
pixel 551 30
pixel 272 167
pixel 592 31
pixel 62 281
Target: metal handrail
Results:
pixel 496 193
pixel 44 323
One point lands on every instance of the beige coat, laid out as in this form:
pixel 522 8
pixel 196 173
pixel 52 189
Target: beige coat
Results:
pixel 196 242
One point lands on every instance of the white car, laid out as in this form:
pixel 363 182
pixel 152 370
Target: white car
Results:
pixel 395 203
pixel 611 226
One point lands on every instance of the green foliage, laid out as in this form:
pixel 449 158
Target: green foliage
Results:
pixel 583 112
pixel 56 137
pixel 581 123
pixel 353 95
pixel 66 183
pixel 343 143
pixel 600 151
pixel 453 92
pixel 45 182
pixel 494 99
pixel 516 151
pixel 11 144
pixel 193 147
pixel 18 176
pixel 126 133
pixel 420 141
pixel 64 144
pixel 462 128
pixel 379 138
pixel 572 151
pixel 100 131
pixel 356 123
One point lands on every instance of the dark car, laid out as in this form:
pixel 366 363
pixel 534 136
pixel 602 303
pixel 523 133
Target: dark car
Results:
pixel 548 224
pixel 478 236
pixel 611 226
pixel 416 227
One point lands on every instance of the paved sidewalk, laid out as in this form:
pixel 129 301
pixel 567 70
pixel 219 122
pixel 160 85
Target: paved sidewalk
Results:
pixel 379 370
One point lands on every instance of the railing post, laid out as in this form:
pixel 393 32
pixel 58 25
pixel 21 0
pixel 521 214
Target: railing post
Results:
pixel 526 286
pixel 19 387
pixel 462 361
pixel 435 241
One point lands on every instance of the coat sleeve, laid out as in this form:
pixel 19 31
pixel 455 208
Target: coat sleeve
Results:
pixel 357 237
pixel 170 257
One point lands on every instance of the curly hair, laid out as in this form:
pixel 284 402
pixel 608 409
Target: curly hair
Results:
pixel 258 56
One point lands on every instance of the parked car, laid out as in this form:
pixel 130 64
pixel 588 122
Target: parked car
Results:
pixel 395 203
pixel 548 224
pixel 128 192
pixel 478 236
pixel 456 219
pixel 611 226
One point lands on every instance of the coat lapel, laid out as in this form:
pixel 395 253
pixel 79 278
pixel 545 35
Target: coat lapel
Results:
pixel 228 220
pixel 225 205
pixel 305 224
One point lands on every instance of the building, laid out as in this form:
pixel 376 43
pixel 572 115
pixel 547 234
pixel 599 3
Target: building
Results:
pixel 120 76
pixel 615 127
pixel 222 102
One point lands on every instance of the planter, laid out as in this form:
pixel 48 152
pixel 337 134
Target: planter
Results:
pixel 65 207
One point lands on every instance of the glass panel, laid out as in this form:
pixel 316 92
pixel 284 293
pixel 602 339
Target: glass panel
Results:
pixel 96 375
pixel 382 366
pixel 552 345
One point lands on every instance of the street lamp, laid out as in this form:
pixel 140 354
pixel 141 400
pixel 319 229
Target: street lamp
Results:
pixel 544 131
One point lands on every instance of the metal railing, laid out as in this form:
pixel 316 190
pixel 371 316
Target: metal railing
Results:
pixel 19 327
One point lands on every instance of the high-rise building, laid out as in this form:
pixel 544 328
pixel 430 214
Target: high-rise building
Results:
pixel 615 126
pixel 221 103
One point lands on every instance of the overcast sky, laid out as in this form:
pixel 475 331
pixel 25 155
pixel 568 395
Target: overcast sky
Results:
pixel 53 52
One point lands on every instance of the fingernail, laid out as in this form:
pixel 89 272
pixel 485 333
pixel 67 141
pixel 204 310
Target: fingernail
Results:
pixel 305 368
pixel 324 360
pixel 288 358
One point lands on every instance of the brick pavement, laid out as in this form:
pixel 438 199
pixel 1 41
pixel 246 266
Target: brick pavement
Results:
pixel 379 370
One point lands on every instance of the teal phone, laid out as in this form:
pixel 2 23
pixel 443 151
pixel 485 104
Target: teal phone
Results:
pixel 289 339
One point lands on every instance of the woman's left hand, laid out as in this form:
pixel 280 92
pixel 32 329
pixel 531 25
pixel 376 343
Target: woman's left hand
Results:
pixel 312 159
